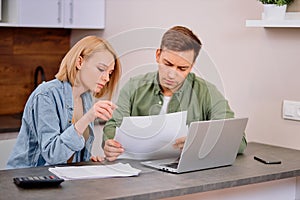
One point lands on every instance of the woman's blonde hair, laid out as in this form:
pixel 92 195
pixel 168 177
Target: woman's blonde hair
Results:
pixel 85 48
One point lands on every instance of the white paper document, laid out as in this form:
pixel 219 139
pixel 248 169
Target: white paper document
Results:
pixel 151 137
pixel 95 171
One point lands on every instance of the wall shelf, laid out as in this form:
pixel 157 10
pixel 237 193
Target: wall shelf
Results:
pixel 292 20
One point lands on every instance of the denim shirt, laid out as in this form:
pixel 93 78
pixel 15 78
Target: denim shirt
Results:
pixel 47 135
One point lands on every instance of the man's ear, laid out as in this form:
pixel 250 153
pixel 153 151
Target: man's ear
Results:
pixel 158 52
pixel 79 62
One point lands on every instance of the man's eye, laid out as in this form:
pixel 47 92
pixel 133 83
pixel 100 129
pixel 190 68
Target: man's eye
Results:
pixel 182 69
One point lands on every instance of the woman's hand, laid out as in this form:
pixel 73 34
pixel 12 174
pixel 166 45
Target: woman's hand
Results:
pixel 102 109
pixel 97 158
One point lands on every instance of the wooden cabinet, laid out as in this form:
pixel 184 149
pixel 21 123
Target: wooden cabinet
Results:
pixel 86 14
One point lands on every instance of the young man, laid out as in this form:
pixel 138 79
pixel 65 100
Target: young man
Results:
pixel 172 89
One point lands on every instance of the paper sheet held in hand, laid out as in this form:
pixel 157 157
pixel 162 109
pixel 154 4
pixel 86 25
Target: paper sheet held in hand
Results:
pixel 151 137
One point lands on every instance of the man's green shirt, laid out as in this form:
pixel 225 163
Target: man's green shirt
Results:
pixel 142 96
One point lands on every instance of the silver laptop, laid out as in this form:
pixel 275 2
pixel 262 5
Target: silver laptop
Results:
pixel 209 144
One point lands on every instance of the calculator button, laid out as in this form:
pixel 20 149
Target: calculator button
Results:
pixel 37 181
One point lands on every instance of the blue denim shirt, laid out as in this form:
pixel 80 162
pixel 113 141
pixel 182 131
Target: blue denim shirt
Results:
pixel 47 135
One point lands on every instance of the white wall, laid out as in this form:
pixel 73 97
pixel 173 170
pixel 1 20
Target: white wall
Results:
pixel 258 67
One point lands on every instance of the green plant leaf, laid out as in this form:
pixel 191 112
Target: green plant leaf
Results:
pixel 276 2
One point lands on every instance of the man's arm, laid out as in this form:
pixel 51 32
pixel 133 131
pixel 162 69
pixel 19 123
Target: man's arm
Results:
pixel 220 109
pixel 122 110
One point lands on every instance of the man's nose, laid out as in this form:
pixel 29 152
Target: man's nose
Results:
pixel 172 73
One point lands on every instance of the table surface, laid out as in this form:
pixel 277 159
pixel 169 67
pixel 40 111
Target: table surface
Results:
pixel 154 184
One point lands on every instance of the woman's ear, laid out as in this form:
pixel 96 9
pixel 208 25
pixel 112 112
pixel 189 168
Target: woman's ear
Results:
pixel 79 62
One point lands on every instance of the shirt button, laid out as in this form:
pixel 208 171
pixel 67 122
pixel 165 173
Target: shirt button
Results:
pixel 159 102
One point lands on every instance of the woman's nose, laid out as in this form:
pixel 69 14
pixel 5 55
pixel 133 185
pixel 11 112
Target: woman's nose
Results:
pixel 105 76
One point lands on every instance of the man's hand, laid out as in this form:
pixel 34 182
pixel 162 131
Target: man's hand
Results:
pixel 179 142
pixel 112 150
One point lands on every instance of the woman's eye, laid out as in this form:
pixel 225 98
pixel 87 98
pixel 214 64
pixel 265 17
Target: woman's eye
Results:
pixel 100 69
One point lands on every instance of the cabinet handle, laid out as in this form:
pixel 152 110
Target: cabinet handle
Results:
pixel 59 11
pixel 71 12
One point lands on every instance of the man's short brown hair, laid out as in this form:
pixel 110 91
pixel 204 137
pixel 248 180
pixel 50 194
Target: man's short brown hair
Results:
pixel 180 38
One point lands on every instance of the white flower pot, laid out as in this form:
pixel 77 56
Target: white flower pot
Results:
pixel 274 12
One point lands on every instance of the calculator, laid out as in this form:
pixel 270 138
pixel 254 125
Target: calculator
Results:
pixel 38 181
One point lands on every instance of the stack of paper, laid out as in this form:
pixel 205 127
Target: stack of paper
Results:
pixel 95 171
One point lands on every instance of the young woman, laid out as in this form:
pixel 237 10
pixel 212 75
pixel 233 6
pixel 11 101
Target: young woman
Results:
pixel 58 119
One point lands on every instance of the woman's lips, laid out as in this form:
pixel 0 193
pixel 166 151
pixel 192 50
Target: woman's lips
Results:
pixel 100 85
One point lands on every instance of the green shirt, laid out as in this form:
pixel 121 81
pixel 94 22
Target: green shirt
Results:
pixel 142 96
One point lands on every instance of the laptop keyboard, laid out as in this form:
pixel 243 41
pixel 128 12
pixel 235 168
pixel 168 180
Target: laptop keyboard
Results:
pixel 172 165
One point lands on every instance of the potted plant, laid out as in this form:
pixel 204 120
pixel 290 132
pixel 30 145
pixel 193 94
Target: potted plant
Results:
pixel 275 9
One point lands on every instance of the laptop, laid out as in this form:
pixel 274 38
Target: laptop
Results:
pixel 209 144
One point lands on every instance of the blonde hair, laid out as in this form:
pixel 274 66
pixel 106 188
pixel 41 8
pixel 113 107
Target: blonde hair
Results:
pixel 85 48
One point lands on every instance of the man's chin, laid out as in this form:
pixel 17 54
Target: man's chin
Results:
pixel 169 87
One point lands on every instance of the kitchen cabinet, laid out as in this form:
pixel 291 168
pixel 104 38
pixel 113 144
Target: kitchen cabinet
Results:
pixel 0 10
pixel 84 13
pixel 40 13
pixel 81 14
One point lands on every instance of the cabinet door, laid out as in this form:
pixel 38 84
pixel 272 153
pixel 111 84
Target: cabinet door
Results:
pixel 40 13
pixel 87 14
